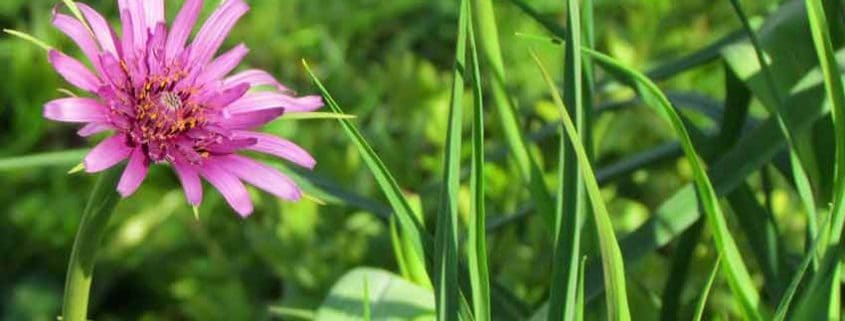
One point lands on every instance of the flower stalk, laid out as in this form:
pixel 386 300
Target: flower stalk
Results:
pixel 95 218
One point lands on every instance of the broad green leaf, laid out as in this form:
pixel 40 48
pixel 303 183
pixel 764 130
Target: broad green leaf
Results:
pixel 477 239
pixel 391 298
pixel 736 272
pixel 571 196
pixel 702 300
pixel 291 313
pixel 446 235
pixel 529 171
pixel 612 262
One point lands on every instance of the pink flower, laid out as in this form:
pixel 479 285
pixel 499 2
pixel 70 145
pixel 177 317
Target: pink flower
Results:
pixel 168 103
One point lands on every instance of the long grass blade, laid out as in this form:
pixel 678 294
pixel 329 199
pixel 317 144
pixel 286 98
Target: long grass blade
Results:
pixel 477 249
pixel 799 172
pixel 824 288
pixel 783 306
pixel 63 158
pixel 702 301
pixel 529 170
pixel 612 262
pixel 736 272
pixel 409 226
pixel 446 236
pixel 570 193
pixel 30 38
pixel 836 95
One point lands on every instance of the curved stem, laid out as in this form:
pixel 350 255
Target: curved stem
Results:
pixel 81 266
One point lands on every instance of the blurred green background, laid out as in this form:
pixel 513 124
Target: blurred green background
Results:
pixel 388 63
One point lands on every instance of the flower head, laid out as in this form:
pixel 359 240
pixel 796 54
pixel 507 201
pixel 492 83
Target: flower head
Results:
pixel 166 102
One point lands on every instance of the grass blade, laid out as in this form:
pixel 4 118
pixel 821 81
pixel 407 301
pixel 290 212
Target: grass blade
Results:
pixel 809 257
pixel 62 158
pixel 799 172
pixel 409 226
pixel 571 197
pixel 32 39
pixel 612 263
pixel 446 235
pixel 836 95
pixel 315 115
pixel 825 285
pixel 679 271
pixel 529 170
pixel 737 273
pixel 702 301
pixel 477 250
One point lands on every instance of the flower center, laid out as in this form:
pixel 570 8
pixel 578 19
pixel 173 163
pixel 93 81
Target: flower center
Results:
pixel 171 100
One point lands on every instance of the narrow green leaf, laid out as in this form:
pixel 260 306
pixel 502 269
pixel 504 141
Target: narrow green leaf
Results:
pixel 95 219
pixel 737 273
pixel 446 235
pixel 366 300
pixel 408 223
pixel 477 239
pixel 529 170
pixel 315 115
pixel 74 9
pixel 291 313
pixel 30 38
pixel 612 263
pixel 579 300
pixel 799 172
pixel 63 158
pixel 702 300
pixel 827 286
pixel 783 306
pixel 571 199
pixel 679 272
pixel 836 95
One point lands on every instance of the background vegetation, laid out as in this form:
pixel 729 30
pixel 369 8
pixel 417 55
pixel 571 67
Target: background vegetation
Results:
pixel 390 63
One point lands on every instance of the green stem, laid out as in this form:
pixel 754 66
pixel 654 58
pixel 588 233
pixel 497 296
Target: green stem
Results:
pixel 81 266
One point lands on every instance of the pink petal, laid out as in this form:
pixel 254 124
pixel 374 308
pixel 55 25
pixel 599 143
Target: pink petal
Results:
pixel 215 30
pixel 267 100
pixel 229 186
pixel 102 30
pixel 252 119
pixel 134 173
pixel 79 34
pixel 93 128
pixel 76 110
pixel 262 176
pixel 223 99
pixel 223 65
pixel 278 147
pixel 74 71
pixel 182 27
pixel 127 41
pixel 134 20
pixel 153 11
pixel 253 77
pixel 106 154
pixel 190 182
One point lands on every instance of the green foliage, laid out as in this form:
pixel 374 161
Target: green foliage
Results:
pixel 754 96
